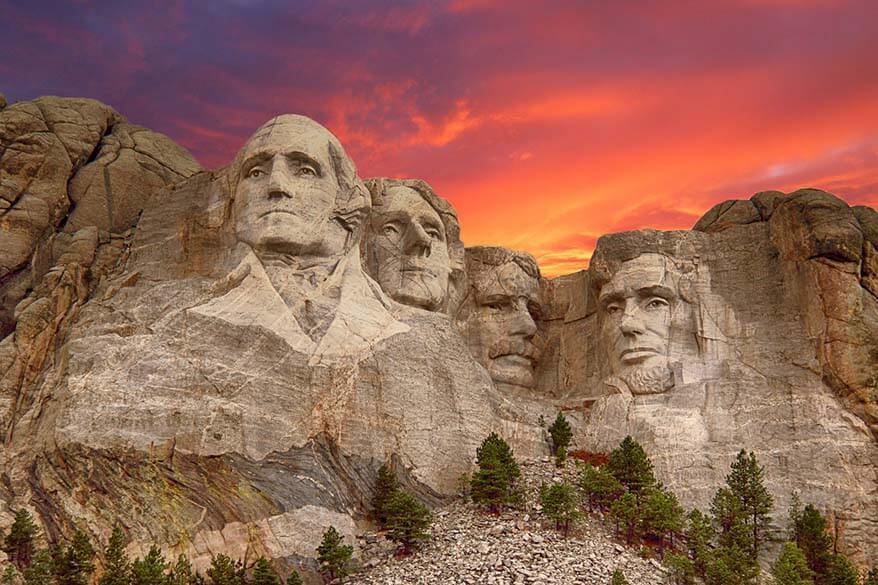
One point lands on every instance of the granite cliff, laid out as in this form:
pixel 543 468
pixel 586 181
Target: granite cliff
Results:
pixel 222 359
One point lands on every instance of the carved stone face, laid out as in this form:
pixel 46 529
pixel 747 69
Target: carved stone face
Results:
pixel 636 306
pixel 411 251
pixel 499 321
pixel 287 189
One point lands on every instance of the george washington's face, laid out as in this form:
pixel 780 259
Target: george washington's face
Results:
pixel 411 249
pixel 636 307
pixel 286 190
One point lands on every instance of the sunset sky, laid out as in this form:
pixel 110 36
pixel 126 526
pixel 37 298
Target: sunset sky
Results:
pixel 546 124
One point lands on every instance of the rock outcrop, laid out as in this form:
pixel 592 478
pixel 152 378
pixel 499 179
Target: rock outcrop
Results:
pixel 222 360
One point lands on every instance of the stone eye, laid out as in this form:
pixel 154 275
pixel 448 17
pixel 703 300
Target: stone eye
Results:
pixel 255 172
pixel 656 304
pixel 390 229
pixel 613 309
pixel 306 171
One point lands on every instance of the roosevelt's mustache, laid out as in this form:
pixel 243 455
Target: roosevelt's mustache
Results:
pixel 520 347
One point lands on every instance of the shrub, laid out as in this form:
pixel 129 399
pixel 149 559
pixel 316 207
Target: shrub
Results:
pixel 560 504
pixel 618 578
pixel 333 555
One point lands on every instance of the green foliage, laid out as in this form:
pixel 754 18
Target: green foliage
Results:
pixel 73 564
pixel 727 512
pixel 560 456
pixel 631 467
pixel 682 569
pixel 618 578
pixel 872 577
pixel 407 520
pixel 385 486
pixel 730 565
pixel 19 545
pixel 809 533
pixel 263 574
pixel 746 484
pixel 560 504
pixel 225 571
pixel 791 568
pixel 493 485
pixel 662 516
pixel 333 555
pixel 40 570
pixel 117 567
pixel 840 571
pixel 699 533
pixel 627 515
pixel 295 578
pixel 182 573
pixel 599 487
pixel 10 576
pixel 150 570
pixel 561 433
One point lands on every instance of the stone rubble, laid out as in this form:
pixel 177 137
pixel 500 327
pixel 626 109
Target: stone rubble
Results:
pixel 517 547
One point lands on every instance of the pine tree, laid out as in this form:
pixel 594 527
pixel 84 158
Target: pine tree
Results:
pixel 699 534
pixel 662 516
pixel 263 574
pixel 840 571
pixel 407 520
pixel 560 504
pixel 117 567
pixel 809 533
pixel 41 568
pixel 493 485
pixel 746 483
pixel 682 569
pixel 295 578
pixel 627 515
pixel 224 571
pixel 730 565
pixel 791 568
pixel 182 573
pixel 385 486
pixel 561 434
pixel 74 564
pixel 618 578
pixel 872 577
pixel 19 545
pixel 728 515
pixel 599 487
pixel 150 570
pixel 631 467
pixel 333 555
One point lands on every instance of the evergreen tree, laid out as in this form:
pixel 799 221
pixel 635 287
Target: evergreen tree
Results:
pixel 682 569
pixel 809 533
pixel 19 545
pixel 41 568
pixel 295 578
pixel 791 568
pixel 840 571
pixel 74 564
pixel 618 578
pixel 263 574
pixel 627 515
pixel 333 555
pixel 599 487
pixel 493 485
pixel 872 577
pixel 385 486
pixel 561 434
pixel 699 534
pixel 182 573
pixel 560 504
pixel 746 483
pixel 631 467
pixel 117 567
pixel 662 516
pixel 729 518
pixel 407 520
pixel 151 569
pixel 224 571
pixel 730 565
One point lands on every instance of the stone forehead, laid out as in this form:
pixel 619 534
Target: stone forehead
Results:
pixel 302 131
pixel 485 259
pixel 403 197
pixel 643 271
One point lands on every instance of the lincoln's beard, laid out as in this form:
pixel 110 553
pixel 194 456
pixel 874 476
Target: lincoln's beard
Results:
pixel 649 380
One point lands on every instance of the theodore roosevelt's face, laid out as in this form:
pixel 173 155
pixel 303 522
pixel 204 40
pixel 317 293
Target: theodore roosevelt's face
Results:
pixel 411 249
pixel 286 190
pixel 636 315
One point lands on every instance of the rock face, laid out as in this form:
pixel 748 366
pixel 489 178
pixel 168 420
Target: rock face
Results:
pixel 222 360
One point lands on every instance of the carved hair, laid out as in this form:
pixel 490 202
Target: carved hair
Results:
pixel 497 256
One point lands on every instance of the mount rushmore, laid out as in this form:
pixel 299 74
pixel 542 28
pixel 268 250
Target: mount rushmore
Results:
pixel 221 360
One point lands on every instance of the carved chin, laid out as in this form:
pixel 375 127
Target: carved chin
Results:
pixel 648 380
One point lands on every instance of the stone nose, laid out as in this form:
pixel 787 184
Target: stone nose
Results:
pixel 632 322
pixel 417 240
pixel 279 180
pixel 522 323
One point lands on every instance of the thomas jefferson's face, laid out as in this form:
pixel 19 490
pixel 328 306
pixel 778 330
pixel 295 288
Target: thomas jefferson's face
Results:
pixel 411 250
pixel 287 190
pixel 501 328
pixel 636 315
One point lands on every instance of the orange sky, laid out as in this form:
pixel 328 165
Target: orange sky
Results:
pixel 545 124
